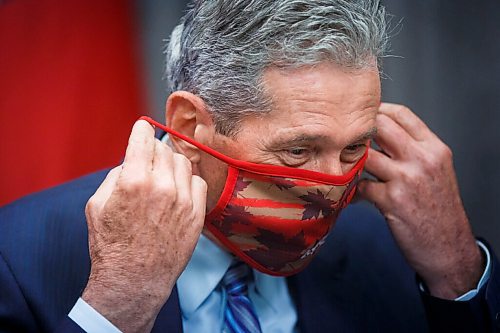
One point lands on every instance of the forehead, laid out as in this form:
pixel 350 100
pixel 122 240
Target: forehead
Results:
pixel 320 101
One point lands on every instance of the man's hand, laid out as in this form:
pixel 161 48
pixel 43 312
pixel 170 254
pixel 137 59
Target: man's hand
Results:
pixel 417 192
pixel 144 222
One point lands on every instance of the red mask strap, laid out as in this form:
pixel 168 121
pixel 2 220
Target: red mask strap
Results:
pixel 201 146
pixel 265 169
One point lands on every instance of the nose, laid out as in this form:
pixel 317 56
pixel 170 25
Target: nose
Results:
pixel 333 166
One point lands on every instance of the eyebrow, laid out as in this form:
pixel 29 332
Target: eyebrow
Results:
pixel 366 136
pixel 304 138
pixel 300 139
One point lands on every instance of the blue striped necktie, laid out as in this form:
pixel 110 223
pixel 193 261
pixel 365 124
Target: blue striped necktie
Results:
pixel 239 315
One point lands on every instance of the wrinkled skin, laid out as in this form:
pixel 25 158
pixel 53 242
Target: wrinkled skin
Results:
pixel 146 217
pixel 137 250
pixel 419 197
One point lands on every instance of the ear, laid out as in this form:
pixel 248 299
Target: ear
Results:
pixel 187 114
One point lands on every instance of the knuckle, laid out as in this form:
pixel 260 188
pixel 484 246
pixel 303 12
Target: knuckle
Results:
pixel 200 182
pixel 409 177
pixel 400 172
pixel 91 215
pixel 435 156
pixel 134 184
pixel 425 159
pixel 90 206
pixel 183 161
pixel 165 189
pixel 162 147
pixel 113 173
pixel 396 195
pixel 432 162
pixel 401 111
pixel 403 108
pixel 445 152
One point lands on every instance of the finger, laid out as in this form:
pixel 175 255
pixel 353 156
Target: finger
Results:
pixel 163 157
pixel 373 191
pixel 183 175
pixel 140 150
pixel 163 169
pixel 409 121
pixel 104 191
pixel 392 138
pixel 199 197
pixel 381 166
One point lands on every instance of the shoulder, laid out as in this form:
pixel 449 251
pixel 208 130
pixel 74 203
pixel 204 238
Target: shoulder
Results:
pixel 44 246
pixel 45 217
pixel 69 195
pixel 363 275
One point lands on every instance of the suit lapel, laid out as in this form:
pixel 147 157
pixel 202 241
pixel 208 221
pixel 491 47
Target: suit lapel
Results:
pixel 313 292
pixel 311 313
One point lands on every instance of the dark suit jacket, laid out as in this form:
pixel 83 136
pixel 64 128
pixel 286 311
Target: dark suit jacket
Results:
pixel 358 283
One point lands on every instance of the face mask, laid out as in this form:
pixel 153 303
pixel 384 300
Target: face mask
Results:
pixel 272 217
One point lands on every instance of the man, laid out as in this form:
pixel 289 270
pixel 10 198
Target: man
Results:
pixel 272 109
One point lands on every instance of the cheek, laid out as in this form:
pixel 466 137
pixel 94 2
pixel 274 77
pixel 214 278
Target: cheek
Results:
pixel 214 172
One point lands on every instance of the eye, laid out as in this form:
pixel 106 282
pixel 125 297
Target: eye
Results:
pixel 295 156
pixel 353 153
pixel 297 151
pixel 355 148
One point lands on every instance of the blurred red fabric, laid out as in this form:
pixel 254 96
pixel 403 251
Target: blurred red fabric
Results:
pixel 70 90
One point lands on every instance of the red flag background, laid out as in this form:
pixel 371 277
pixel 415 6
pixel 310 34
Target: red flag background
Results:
pixel 69 90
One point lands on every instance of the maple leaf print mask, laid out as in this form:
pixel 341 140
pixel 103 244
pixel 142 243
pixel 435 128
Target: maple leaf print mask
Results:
pixel 272 217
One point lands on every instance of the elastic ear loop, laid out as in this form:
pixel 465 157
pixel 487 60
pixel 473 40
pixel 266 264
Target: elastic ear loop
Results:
pixel 228 192
pixel 201 146
pixel 264 169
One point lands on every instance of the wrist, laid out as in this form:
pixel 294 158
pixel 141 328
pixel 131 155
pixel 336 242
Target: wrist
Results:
pixel 130 308
pixel 458 277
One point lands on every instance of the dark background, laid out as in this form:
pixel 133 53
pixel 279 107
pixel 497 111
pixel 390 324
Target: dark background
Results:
pixel 449 74
pixel 445 67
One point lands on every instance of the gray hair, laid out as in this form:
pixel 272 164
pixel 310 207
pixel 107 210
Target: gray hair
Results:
pixel 221 48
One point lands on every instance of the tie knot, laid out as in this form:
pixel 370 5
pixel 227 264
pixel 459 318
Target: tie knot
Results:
pixel 235 279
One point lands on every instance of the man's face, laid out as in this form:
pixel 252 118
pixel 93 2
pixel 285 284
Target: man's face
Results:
pixel 322 120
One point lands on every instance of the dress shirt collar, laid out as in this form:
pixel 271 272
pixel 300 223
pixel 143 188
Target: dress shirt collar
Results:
pixel 203 273
pixel 206 269
pixel 268 286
